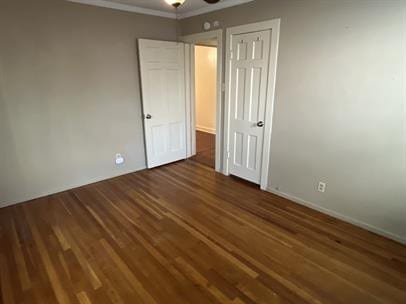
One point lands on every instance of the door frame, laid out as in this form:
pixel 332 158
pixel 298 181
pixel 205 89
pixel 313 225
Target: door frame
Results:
pixel 190 94
pixel 274 26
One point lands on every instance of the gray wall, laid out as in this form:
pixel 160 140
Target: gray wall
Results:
pixel 69 94
pixel 70 100
pixel 340 109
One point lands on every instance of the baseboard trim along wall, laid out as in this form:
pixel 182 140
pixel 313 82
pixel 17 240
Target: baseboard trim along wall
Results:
pixel 206 129
pixel 71 186
pixel 340 216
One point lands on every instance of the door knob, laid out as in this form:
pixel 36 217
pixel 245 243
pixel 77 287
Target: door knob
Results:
pixel 148 116
pixel 260 124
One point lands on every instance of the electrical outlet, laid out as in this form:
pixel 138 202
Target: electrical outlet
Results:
pixel 321 187
pixel 119 159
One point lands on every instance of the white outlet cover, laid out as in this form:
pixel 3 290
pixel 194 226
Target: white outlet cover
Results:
pixel 119 159
pixel 321 187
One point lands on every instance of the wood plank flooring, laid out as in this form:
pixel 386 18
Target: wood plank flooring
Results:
pixel 205 149
pixel 185 234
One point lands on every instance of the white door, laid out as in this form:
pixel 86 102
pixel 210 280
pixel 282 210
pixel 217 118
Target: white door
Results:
pixel 248 81
pixel 162 67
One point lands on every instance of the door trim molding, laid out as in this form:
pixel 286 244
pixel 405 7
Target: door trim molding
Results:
pixel 274 26
pixel 191 102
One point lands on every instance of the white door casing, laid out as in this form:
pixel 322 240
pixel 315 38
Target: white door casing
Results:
pixel 194 39
pixel 162 66
pixel 250 86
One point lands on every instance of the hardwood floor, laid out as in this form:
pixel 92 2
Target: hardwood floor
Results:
pixel 185 234
pixel 205 149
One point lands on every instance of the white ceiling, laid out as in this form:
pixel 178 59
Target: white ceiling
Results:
pixel 161 8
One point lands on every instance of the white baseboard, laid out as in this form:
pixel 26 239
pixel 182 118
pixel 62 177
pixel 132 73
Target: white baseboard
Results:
pixel 340 216
pixel 69 187
pixel 206 129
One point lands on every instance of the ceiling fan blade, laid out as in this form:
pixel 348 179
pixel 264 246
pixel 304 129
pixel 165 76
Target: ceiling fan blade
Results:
pixel 212 1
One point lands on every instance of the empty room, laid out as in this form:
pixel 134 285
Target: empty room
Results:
pixel 202 151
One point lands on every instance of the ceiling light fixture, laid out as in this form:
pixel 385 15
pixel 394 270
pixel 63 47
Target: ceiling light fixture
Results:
pixel 175 3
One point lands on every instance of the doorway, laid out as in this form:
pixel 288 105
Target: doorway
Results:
pixel 205 140
pixel 205 103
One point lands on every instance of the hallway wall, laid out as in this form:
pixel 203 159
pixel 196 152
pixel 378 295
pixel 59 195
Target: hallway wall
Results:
pixel 205 79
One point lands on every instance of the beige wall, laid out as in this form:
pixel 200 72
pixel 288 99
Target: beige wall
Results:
pixel 340 104
pixel 69 94
pixel 205 79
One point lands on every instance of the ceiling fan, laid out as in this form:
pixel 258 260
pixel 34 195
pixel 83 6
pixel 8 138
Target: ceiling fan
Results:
pixel 177 3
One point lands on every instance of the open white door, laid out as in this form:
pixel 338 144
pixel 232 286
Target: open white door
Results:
pixel 162 66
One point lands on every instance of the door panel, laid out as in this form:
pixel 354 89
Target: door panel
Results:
pixel 248 87
pixel 163 100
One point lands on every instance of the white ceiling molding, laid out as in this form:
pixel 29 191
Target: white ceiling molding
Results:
pixel 126 7
pixel 160 13
pixel 212 8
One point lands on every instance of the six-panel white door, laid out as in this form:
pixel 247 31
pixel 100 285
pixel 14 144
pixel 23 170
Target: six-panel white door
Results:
pixel 162 66
pixel 249 64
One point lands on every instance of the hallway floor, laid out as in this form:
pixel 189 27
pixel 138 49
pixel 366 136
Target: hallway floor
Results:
pixel 205 149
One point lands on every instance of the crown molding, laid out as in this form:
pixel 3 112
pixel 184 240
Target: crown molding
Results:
pixel 126 7
pixel 159 13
